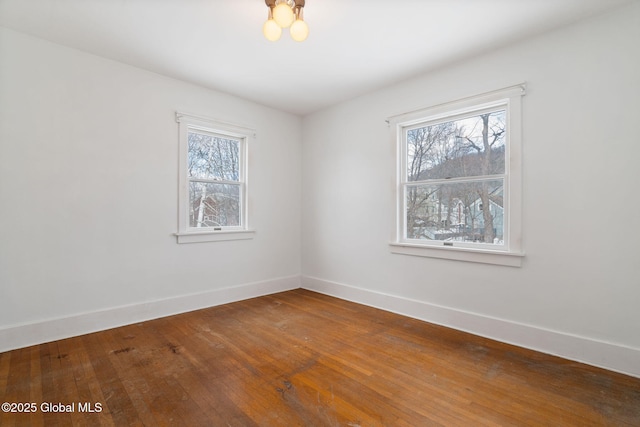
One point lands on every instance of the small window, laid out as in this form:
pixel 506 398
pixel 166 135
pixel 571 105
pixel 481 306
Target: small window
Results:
pixel 459 179
pixel 213 180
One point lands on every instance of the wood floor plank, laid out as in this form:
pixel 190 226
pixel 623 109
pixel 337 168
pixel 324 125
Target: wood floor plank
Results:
pixel 5 364
pixel 93 392
pixel 65 383
pixel 209 387
pixel 135 386
pixel 299 358
pixel 14 390
pixel 117 402
pixel 36 418
pixel 184 351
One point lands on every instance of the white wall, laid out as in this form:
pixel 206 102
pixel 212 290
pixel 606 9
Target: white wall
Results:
pixel 580 279
pixel 88 193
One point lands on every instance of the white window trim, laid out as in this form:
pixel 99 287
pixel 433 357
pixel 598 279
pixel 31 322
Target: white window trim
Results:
pixel 512 252
pixel 188 234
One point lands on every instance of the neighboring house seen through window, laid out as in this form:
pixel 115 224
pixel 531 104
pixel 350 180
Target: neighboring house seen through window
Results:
pixel 459 179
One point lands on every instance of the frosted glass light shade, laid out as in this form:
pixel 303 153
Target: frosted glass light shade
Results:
pixel 271 30
pixel 283 15
pixel 299 30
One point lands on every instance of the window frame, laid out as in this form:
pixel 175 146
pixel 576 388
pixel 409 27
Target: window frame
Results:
pixel 511 252
pixel 245 135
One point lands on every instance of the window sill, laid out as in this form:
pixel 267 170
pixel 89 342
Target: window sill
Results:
pixel 214 236
pixel 510 259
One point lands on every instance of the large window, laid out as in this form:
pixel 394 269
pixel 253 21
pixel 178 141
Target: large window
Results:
pixel 213 180
pixel 459 189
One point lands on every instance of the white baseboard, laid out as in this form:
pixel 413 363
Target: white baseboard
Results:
pixel 613 357
pixel 20 336
pixel 606 355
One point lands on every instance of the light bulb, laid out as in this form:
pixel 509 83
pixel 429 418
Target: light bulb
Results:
pixel 271 30
pixel 299 30
pixel 283 15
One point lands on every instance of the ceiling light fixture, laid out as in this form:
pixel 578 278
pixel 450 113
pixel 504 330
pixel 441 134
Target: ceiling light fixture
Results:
pixel 285 14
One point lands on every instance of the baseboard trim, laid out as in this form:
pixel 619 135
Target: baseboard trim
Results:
pixel 610 356
pixel 25 335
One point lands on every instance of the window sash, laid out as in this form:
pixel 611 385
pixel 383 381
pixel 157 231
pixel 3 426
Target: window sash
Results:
pixel 471 212
pixel 234 171
pixel 235 210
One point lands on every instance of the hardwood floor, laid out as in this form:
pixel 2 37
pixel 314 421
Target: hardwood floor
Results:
pixel 303 359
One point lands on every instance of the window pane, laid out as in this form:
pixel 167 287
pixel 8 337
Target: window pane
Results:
pixel 213 157
pixel 462 211
pixel 214 205
pixel 472 146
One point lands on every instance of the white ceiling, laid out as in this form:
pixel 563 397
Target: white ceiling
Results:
pixel 354 46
